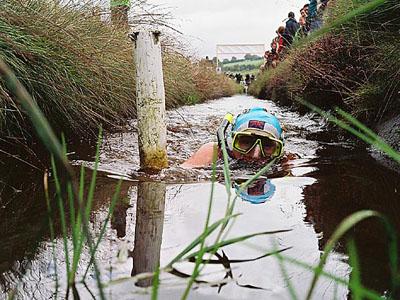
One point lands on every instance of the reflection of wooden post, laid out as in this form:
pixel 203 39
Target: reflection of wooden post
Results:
pixel 150 101
pixel 148 229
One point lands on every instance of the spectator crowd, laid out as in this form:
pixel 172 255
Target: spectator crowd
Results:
pixel 309 21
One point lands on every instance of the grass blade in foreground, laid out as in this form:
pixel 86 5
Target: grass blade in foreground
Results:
pixel 343 227
pixel 215 247
pixel 198 256
pixel 368 294
pixel 377 140
pixel 62 217
pixel 156 284
pixel 202 251
pixel 292 292
pixel 197 241
pixel 79 218
pixel 51 226
pixel 368 136
pixel 236 261
pixel 355 279
pixel 231 206
pixel 104 227
pixel 39 121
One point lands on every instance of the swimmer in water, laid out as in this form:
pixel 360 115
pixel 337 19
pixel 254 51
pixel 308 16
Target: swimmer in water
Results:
pixel 253 136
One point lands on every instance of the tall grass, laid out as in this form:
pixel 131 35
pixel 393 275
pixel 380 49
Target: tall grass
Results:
pixel 190 82
pixel 80 70
pixel 75 68
pixel 78 208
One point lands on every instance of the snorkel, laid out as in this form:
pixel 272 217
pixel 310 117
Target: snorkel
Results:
pixel 222 129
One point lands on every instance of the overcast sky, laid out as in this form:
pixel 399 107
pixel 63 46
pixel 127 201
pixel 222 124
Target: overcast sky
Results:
pixel 211 22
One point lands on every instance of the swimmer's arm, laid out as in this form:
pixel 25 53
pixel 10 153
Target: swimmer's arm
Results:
pixel 202 157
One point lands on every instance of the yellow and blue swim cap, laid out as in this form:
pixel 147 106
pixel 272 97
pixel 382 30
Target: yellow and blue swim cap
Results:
pixel 256 121
pixel 259 119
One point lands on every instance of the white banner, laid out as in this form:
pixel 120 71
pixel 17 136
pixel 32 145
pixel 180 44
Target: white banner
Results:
pixel 230 49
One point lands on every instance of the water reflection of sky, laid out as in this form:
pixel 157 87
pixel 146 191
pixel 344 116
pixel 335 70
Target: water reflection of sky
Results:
pixel 183 219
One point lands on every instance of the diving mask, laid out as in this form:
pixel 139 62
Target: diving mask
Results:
pixel 245 141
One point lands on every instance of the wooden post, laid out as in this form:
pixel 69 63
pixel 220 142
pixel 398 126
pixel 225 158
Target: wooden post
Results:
pixel 148 229
pixel 150 101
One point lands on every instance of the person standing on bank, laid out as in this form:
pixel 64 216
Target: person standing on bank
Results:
pixel 292 26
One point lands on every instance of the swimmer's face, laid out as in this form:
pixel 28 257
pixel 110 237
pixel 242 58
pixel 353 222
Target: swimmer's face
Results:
pixel 251 145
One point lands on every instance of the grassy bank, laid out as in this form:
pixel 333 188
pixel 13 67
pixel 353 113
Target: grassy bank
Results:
pixel 355 65
pixel 80 70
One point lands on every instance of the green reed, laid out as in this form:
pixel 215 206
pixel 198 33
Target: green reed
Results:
pixel 73 220
pixel 355 271
pixel 51 227
pixel 356 128
pixel 354 284
pixel 352 125
pixel 341 230
pixel 78 207
pixel 202 251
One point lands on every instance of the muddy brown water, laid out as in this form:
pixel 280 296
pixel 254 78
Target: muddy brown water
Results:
pixel 332 178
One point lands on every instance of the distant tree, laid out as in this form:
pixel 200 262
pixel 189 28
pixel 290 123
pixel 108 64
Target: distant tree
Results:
pixel 233 59
pixel 252 57
pixel 214 60
pixel 248 56
pixel 225 61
